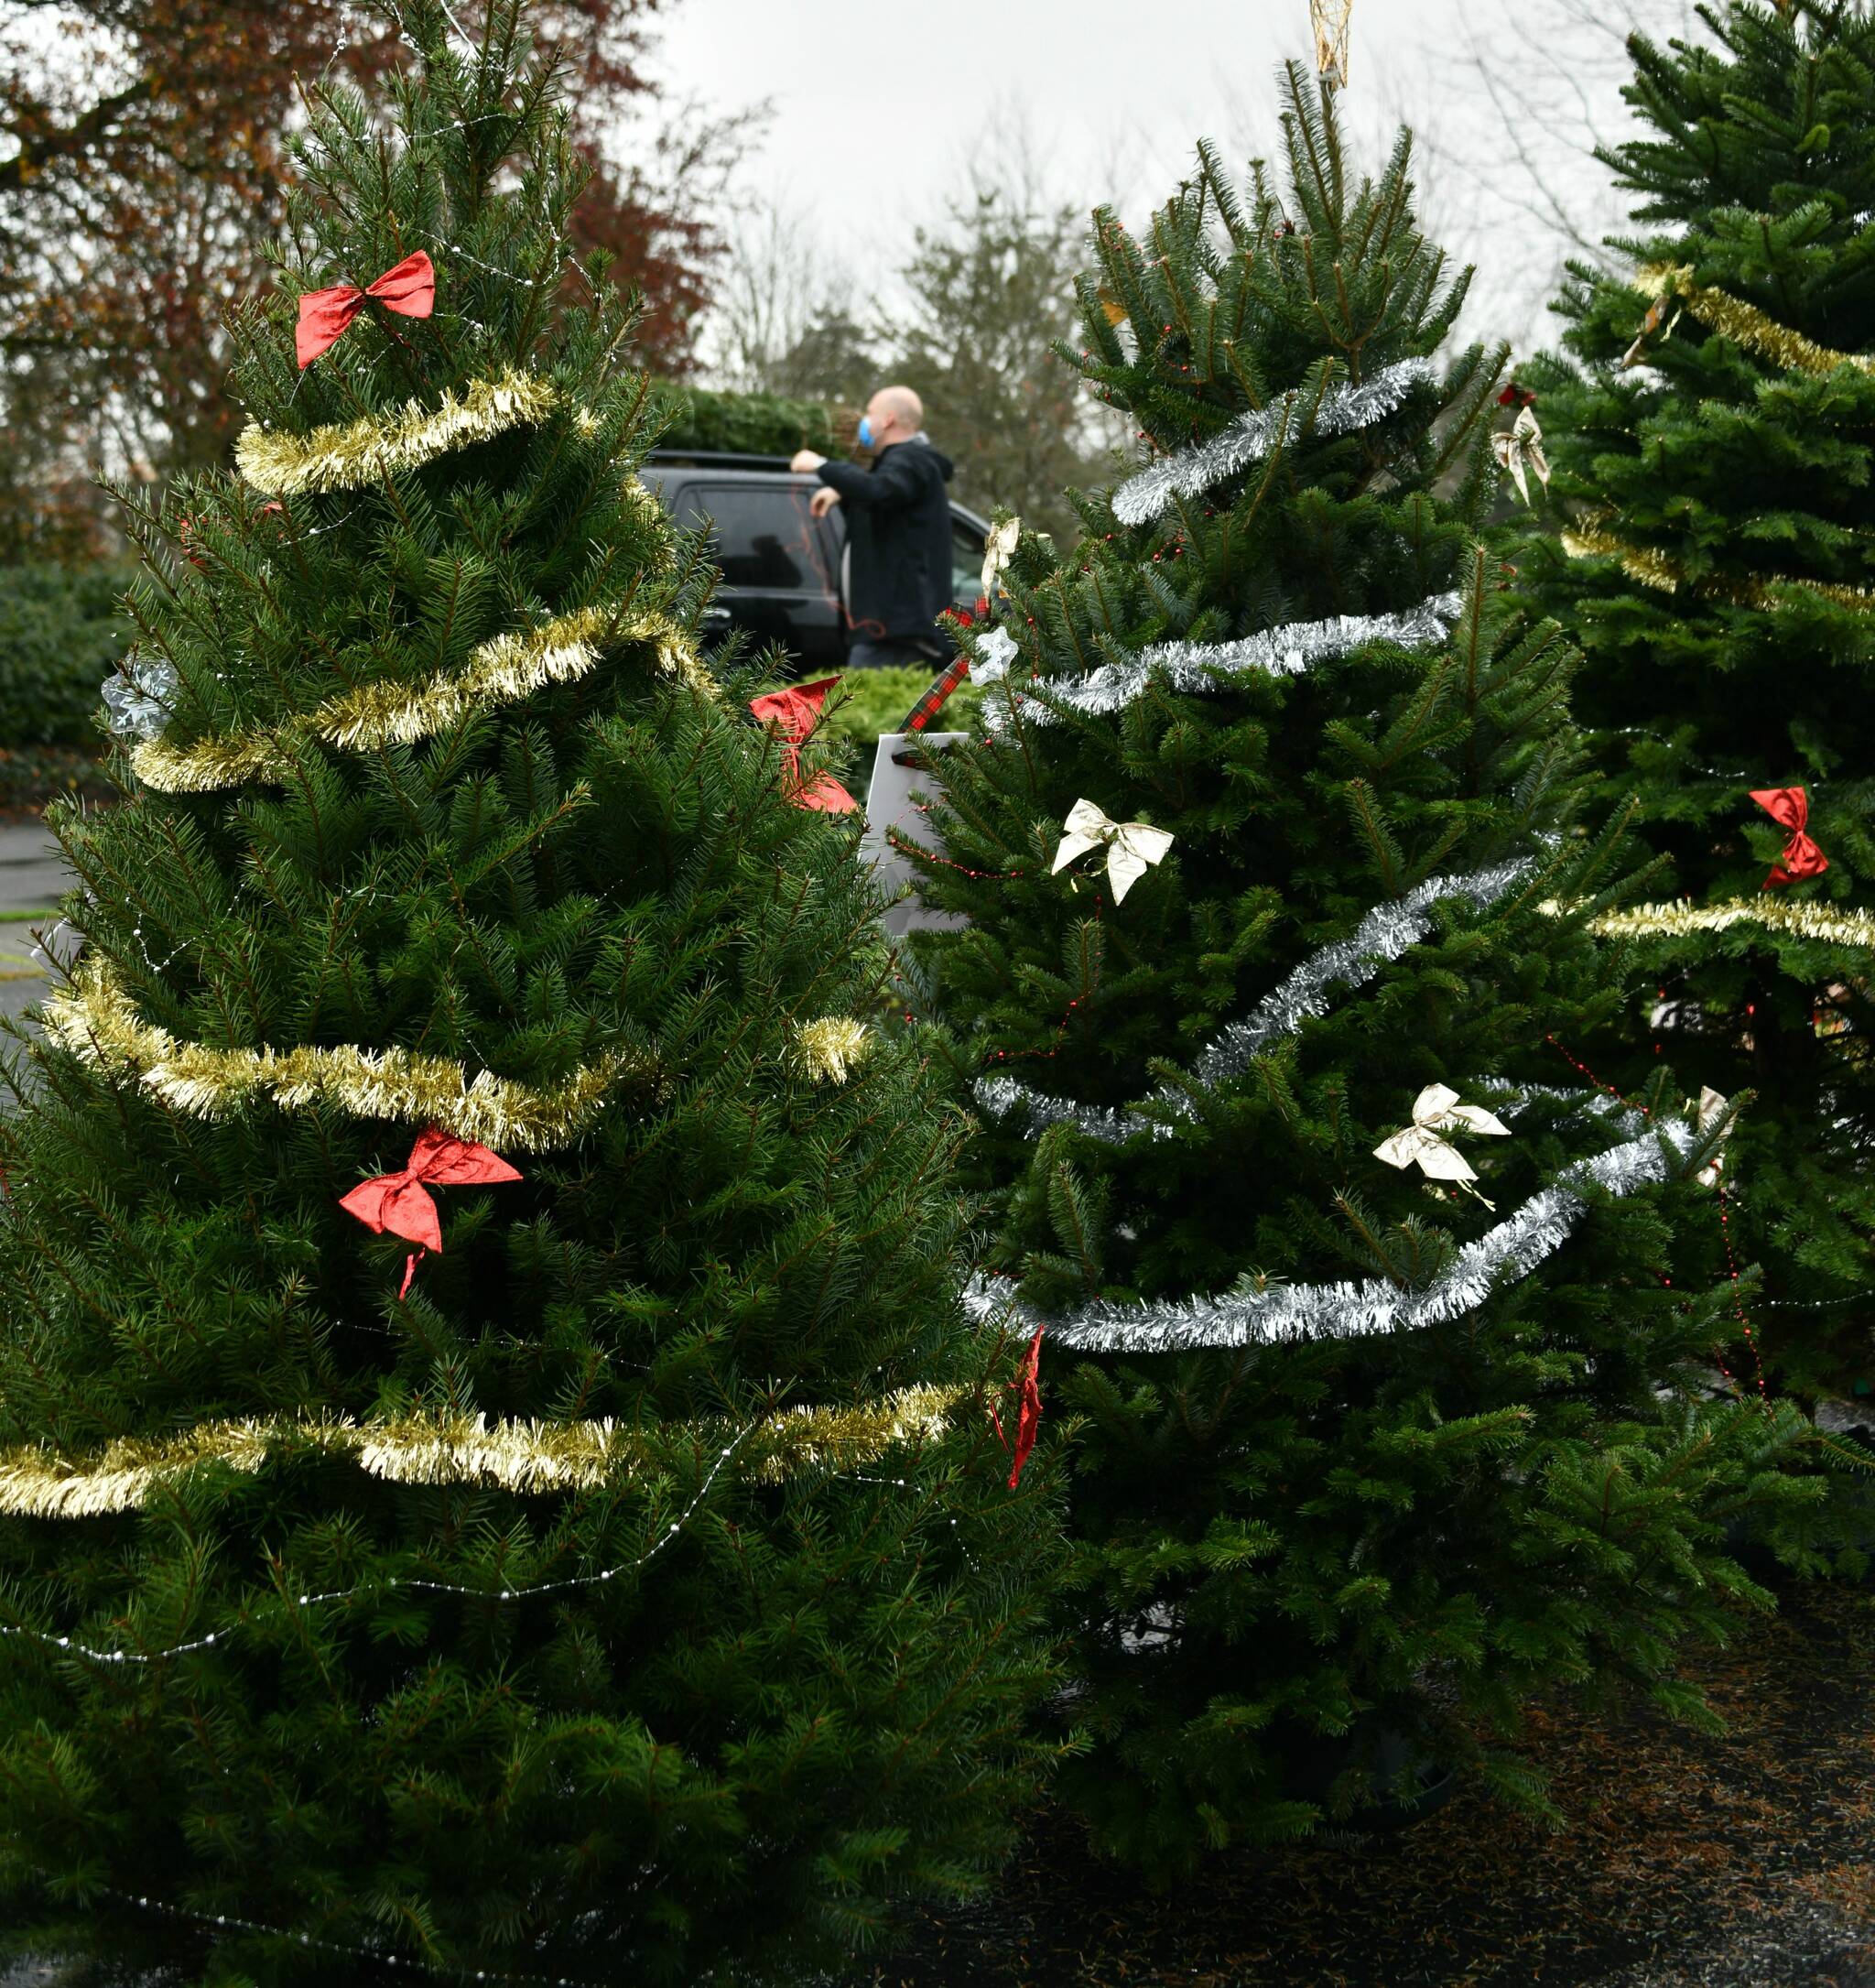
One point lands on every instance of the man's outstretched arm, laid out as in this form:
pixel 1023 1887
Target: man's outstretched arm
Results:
pixel 889 487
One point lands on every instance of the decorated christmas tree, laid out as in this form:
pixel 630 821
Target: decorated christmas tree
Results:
pixel 1362 1296
pixel 493 1474
pixel 1710 435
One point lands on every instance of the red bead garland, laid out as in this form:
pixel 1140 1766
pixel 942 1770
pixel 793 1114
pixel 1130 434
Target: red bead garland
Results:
pixel 931 855
pixel 1724 1229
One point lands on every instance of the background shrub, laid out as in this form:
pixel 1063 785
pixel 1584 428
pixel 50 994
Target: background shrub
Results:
pixel 62 632
pixel 747 424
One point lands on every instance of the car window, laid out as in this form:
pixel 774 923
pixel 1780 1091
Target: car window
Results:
pixel 965 564
pixel 762 535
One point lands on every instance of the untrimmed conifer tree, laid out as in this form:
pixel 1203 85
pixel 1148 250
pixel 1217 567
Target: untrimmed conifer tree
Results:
pixel 1711 429
pixel 1364 1298
pixel 494 1476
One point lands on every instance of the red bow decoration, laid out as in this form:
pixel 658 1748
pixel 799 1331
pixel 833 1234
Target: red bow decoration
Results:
pixel 1514 396
pixel 1789 807
pixel 795 713
pixel 401 1203
pixel 408 287
pixel 1027 1389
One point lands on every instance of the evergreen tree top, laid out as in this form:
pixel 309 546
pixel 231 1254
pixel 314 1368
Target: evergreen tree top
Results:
pixel 1760 164
pixel 470 178
pixel 468 163
pixel 1229 302
pixel 1312 459
pixel 1769 119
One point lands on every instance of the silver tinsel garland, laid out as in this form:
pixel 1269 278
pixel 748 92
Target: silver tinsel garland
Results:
pixel 1512 1098
pixel 1000 1095
pixel 1383 935
pixel 1251 437
pixel 1284 651
pixel 1380 937
pixel 1284 1314
pixel 139 694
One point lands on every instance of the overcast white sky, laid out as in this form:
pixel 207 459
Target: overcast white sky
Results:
pixel 878 103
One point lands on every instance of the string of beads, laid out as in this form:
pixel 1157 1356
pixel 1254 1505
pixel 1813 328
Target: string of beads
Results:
pixel 1724 1223
pixel 70 1646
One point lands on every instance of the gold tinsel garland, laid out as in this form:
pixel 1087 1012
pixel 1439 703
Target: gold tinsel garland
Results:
pixel 1745 324
pixel 1795 917
pixel 372 714
pixel 1590 538
pixel 96 1020
pixel 829 1050
pixel 433 1449
pixel 280 464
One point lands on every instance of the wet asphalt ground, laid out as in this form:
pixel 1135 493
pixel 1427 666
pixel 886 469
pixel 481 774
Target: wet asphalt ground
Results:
pixel 32 877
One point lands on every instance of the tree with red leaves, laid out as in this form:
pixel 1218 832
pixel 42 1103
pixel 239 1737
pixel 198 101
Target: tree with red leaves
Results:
pixel 146 177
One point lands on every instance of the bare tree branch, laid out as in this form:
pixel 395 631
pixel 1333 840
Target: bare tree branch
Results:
pixel 39 143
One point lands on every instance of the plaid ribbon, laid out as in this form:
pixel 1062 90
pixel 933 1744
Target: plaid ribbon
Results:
pixel 935 698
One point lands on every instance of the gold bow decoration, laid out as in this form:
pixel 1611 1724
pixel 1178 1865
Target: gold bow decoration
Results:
pixel 999 549
pixel 1657 315
pixel 1711 1110
pixel 1329 19
pixel 1435 1112
pixel 1518 444
pixel 1132 846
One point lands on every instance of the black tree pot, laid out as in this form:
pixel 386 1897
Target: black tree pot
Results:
pixel 1403 1781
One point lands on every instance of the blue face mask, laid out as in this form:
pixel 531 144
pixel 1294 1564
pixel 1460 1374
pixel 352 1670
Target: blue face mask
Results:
pixel 866 431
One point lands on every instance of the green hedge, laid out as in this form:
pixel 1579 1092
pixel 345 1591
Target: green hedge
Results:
pixel 744 424
pixel 870 701
pixel 61 634
pixel 30 776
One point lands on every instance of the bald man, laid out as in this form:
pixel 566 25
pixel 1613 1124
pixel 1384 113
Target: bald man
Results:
pixel 897 564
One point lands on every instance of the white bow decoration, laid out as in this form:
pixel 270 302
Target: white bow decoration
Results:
pixel 1437 1110
pixel 999 549
pixel 1130 845
pixel 1711 1108
pixel 1519 444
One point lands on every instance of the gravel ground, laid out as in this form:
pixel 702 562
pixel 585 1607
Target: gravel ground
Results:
pixel 1741 1860
pixel 1799 1944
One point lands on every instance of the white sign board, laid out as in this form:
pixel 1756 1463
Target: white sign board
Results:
pixel 893 803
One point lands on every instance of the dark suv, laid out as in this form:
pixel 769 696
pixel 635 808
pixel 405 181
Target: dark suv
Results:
pixel 780 565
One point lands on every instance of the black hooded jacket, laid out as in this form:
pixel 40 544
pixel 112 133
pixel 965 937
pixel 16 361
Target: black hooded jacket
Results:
pixel 898 537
